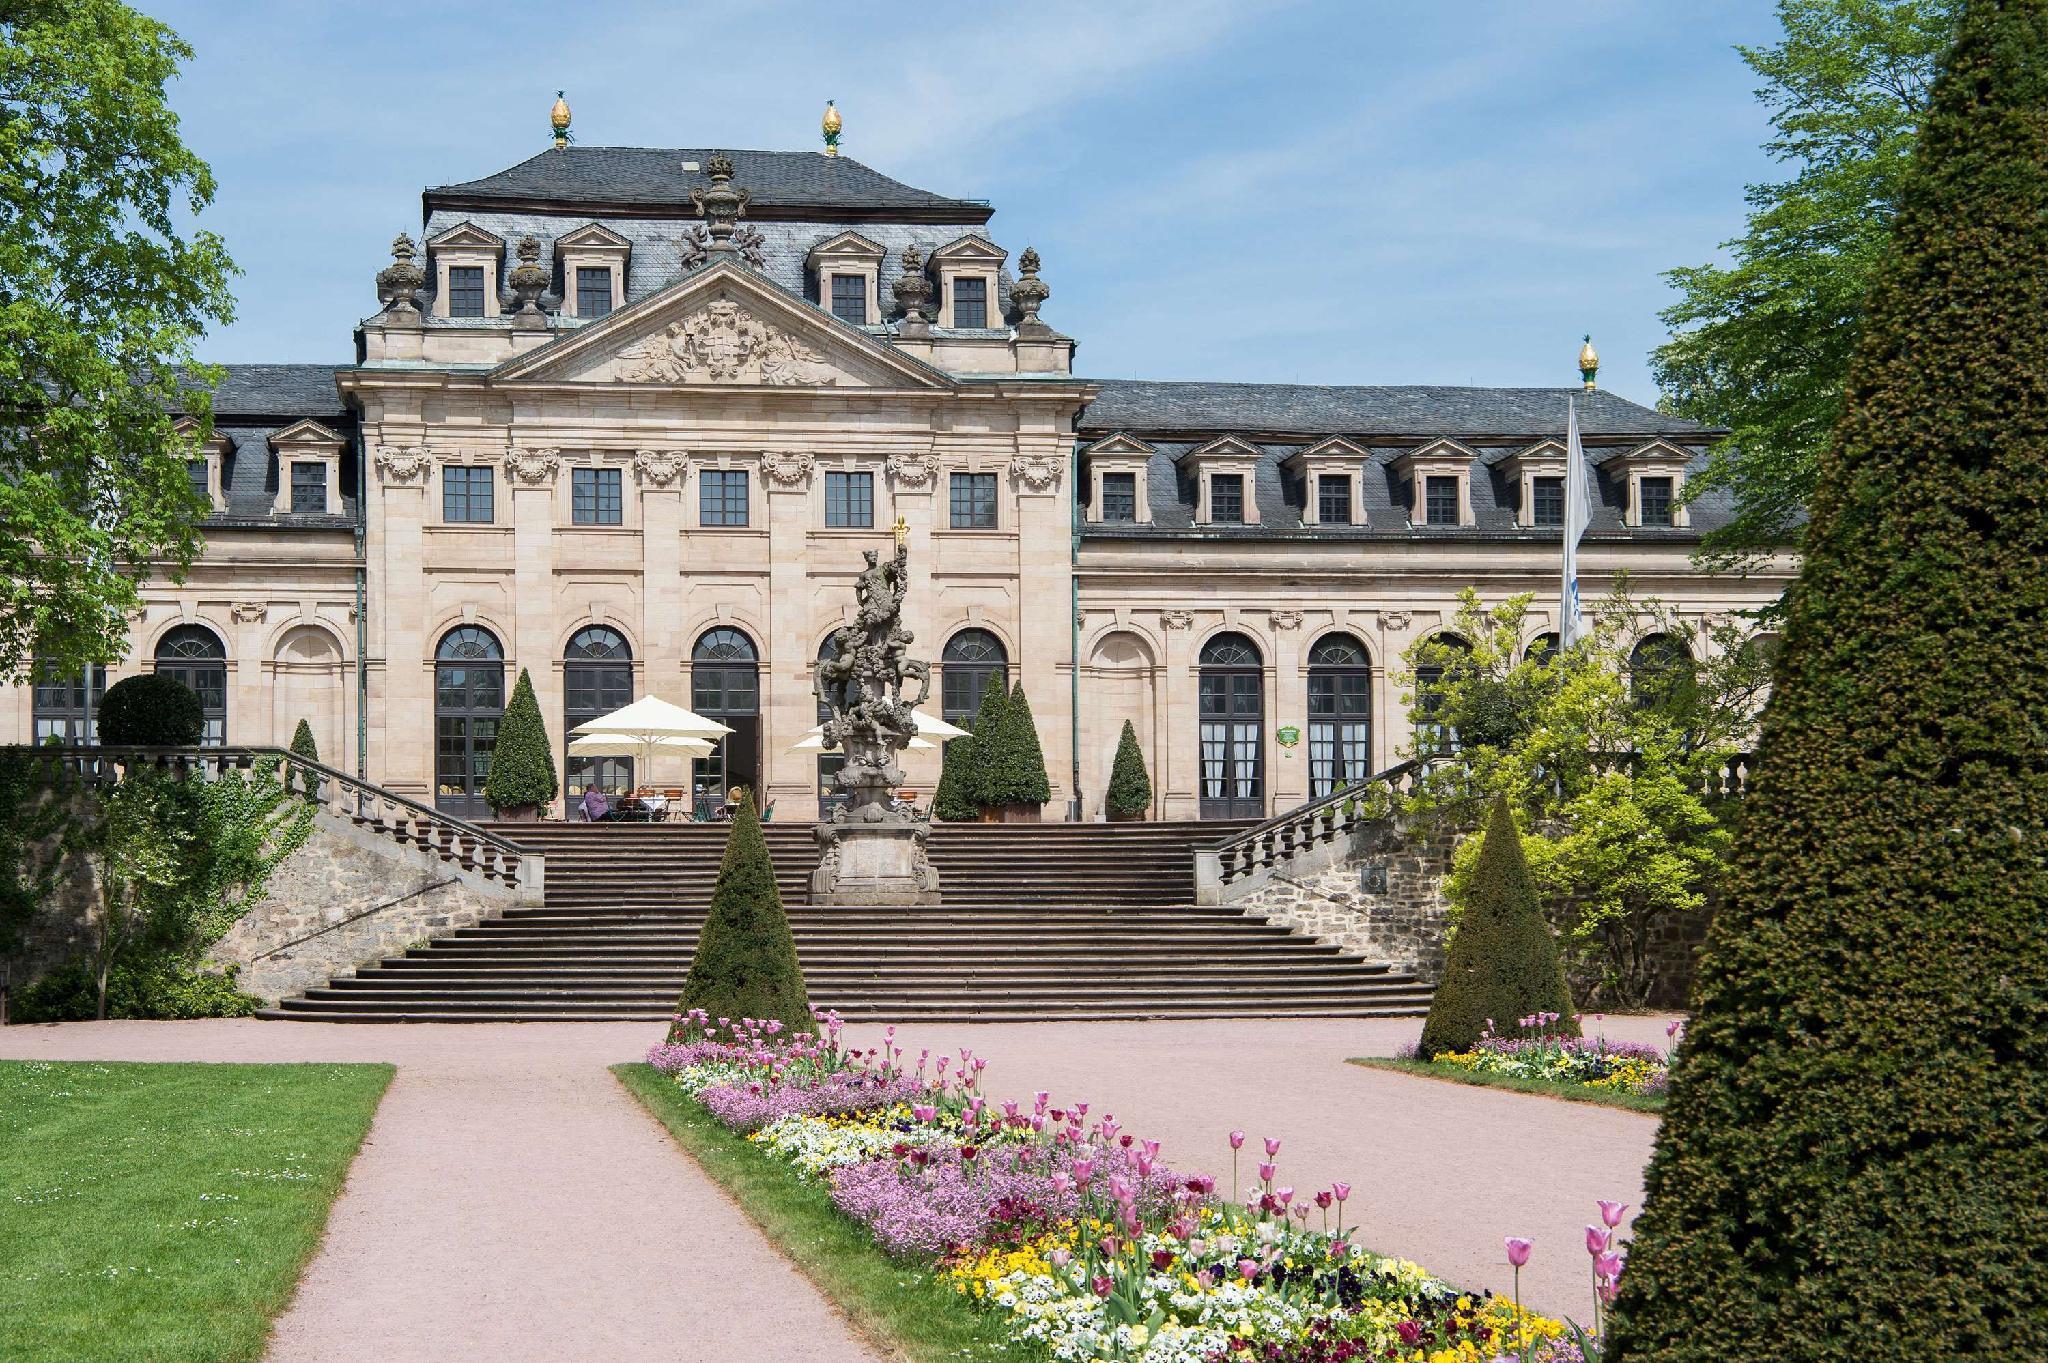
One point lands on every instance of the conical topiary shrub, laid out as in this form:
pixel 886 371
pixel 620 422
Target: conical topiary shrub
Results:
pixel 303 744
pixel 977 783
pixel 746 965
pixel 1017 782
pixel 949 801
pixel 1852 1163
pixel 522 775
pixel 1503 962
pixel 1130 788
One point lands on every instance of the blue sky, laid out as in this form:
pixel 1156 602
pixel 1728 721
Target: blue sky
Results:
pixel 1365 192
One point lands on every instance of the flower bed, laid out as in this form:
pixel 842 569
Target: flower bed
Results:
pixel 1073 1233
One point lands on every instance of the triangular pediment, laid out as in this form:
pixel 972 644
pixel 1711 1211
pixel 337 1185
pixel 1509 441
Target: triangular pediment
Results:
pixel 1224 447
pixel 1119 443
pixel 306 435
pixel 1543 453
pixel 722 326
pixel 847 246
pixel 1442 450
pixel 1335 450
pixel 592 235
pixel 971 247
pixel 467 234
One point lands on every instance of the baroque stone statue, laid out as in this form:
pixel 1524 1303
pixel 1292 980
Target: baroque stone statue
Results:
pixel 873 851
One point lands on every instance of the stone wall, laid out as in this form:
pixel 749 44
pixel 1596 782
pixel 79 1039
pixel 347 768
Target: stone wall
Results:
pixel 347 898
pixel 1402 924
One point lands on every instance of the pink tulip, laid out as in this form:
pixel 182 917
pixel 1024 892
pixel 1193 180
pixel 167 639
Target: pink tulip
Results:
pixel 1597 1239
pixel 1608 1265
pixel 1340 1191
pixel 1060 1184
pixel 1102 1286
pixel 1266 1172
pixel 1237 1140
pixel 1612 1212
pixel 1060 1257
pixel 923 1112
pixel 1206 1279
pixel 1340 1249
pixel 1272 1146
pixel 1518 1250
pixel 1286 1195
pixel 1247 1269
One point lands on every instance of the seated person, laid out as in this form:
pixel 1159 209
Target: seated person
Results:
pixel 595 807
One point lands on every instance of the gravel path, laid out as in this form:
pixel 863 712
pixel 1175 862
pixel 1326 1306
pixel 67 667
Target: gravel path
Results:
pixel 512 1202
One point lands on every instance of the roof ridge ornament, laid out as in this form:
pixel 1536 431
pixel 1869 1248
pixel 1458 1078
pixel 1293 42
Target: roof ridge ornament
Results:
pixel 831 125
pixel 558 119
pixel 1589 362
pixel 1029 293
pixel 529 280
pixel 398 282
pixel 721 206
pixel 912 292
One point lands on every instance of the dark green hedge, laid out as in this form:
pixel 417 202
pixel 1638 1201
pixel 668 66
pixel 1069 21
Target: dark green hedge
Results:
pixel 746 964
pixel 151 710
pixel 1130 788
pixel 142 984
pixel 1854 1161
pixel 522 765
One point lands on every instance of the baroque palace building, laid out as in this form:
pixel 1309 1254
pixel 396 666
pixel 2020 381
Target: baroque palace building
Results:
pixel 629 416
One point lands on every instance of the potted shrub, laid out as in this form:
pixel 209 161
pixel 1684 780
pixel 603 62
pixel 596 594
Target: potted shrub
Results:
pixel 1130 788
pixel 522 775
pixel 1017 786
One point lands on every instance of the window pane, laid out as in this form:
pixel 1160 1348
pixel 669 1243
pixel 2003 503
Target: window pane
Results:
pixel 1226 498
pixel 309 488
pixel 466 291
pixel 722 497
pixel 1440 501
pixel 850 299
pixel 1119 496
pixel 974 501
pixel 1547 501
pixel 195 474
pixel 596 496
pixel 593 291
pixel 850 500
pixel 1333 499
pixel 466 494
pixel 970 302
pixel 1656 501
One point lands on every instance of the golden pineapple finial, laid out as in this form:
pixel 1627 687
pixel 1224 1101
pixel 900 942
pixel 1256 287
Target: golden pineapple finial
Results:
pixel 558 119
pixel 831 125
pixel 1589 362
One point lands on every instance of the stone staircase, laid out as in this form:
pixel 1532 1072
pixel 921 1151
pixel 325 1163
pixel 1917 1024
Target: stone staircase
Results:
pixel 1040 922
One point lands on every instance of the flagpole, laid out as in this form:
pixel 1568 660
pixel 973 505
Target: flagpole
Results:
pixel 1577 511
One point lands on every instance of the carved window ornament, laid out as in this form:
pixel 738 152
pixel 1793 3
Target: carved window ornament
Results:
pixel 1037 472
pixel 404 465
pixel 1177 619
pixel 534 467
pixel 787 470
pixel 914 471
pixel 660 468
pixel 1286 619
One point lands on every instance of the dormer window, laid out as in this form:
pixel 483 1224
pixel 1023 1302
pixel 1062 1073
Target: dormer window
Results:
pixel 205 467
pixel 968 269
pixel 1225 493
pixel 592 260
pixel 200 479
pixel 849 272
pixel 1439 478
pixel 308 470
pixel 1329 479
pixel 1546 499
pixel 1654 475
pixel 1117 469
pixel 466 260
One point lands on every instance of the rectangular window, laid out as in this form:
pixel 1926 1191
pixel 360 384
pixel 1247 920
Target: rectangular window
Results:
pixel 1333 499
pixel 974 501
pixel 850 299
pixel 309 489
pixel 722 497
pixel 970 302
pixel 195 474
pixel 1440 501
pixel 1226 498
pixel 850 500
pixel 1120 497
pixel 466 494
pixel 593 291
pixel 465 291
pixel 1546 501
pixel 1656 501
pixel 596 496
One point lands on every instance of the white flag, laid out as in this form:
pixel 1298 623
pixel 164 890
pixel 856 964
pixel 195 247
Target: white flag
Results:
pixel 1578 510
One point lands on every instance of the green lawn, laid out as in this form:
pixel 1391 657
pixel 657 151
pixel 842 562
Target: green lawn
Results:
pixel 899 1305
pixel 163 1213
pixel 1549 1088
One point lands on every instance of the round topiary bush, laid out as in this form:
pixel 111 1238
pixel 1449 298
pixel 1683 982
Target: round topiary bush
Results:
pixel 151 711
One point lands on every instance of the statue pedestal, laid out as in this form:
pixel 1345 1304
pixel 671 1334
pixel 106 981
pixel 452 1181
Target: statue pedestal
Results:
pixel 874 863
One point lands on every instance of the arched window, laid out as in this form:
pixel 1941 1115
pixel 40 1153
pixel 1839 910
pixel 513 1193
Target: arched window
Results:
pixel 597 678
pixel 66 710
pixel 1541 647
pixel 1433 738
pixel 195 655
pixel 725 685
pixel 1232 714
pixel 469 700
pixel 973 658
pixel 1339 714
pixel 1661 674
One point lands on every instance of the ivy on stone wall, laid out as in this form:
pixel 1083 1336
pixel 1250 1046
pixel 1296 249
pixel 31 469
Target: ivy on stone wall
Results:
pixel 35 797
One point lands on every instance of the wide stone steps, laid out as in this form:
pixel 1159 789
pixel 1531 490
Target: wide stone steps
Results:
pixel 1040 923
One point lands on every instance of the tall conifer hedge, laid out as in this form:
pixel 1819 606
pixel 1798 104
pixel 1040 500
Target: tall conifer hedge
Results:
pixel 977 783
pixel 1854 1162
pixel 522 765
pixel 746 964
pixel 1130 788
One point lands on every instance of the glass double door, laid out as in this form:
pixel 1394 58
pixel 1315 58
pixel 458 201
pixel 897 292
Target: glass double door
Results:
pixel 1233 758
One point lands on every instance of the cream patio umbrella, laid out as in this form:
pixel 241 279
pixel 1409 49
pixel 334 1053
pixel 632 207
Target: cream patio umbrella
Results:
pixel 930 732
pixel 651 718
pixel 814 741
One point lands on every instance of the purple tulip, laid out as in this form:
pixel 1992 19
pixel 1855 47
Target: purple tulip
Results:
pixel 1612 1212
pixel 1266 1172
pixel 1060 1257
pixel 1608 1265
pixel 1597 1239
pixel 1340 1191
pixel 1518 1250
pixel 1237 1140
pixel 1272 1146
pixel 1247 1269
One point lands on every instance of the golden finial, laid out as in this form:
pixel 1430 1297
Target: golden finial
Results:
pixel 831 126
pixel 1589 362
pixel 902 531
pixel 558 118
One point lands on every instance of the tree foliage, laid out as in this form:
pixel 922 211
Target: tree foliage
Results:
pixel 1613 750
pixel 1761 345
pixel 985 734
pixel 36 795
pixel 746 964
pixel 522 764
pixel 102 298
pixel 1503 962
pixel 1130 787
pixel 1851 1162
pixel 151 710
pixel 1011 759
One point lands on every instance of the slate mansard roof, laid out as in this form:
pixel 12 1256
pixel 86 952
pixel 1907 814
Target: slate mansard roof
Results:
pixel 1387 421
pixel 255 402
pixel 782 184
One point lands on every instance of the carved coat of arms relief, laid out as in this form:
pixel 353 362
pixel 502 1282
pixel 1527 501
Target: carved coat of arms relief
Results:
pixel 722 342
